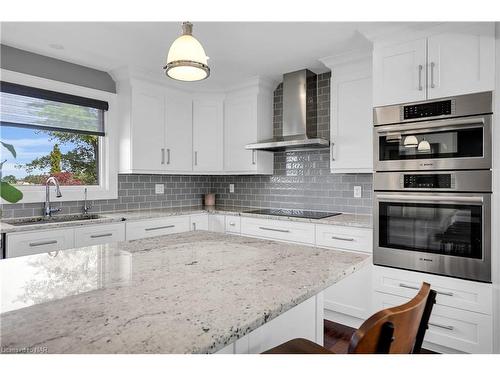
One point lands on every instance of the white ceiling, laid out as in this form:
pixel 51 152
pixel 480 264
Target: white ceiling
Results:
pixel 237 51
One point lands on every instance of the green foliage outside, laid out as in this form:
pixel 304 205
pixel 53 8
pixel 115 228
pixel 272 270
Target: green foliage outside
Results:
pixel 77 166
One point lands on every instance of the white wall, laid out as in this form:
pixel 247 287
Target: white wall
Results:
pixel 496 201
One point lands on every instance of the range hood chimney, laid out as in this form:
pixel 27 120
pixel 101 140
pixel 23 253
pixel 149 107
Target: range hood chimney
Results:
pixel 300 118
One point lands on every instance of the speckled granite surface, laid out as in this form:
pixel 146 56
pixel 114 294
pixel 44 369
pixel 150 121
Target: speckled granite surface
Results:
pixel 194 292
pixel 362 221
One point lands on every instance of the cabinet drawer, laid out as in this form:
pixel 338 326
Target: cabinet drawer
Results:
pixel 28 243
pixel 462 294
pixel 453 328
pixel 233 224
pixel 199 222
pixel 156 227
pixel 99 234
pixel 278 229
pixel 350 238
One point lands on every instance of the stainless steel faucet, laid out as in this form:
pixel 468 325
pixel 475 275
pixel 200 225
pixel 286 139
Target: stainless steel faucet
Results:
pixel 47 210
pixel 86 207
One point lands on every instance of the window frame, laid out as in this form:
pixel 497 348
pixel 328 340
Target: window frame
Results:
pixel 107 153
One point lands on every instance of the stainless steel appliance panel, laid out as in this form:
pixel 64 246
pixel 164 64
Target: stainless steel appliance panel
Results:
pixel 441 233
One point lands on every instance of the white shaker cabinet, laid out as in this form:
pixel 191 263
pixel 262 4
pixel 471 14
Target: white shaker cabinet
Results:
pixel 147 130
pixel 442 61
pixel 351 140
pixel 399 73
pixel 248 119
pixel 178 153
pixel 461 61
pixel 208 134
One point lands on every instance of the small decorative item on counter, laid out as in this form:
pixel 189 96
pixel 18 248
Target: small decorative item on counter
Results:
pixel 210 199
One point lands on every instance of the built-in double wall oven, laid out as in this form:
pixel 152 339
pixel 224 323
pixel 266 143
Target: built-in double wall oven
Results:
pixel 432 186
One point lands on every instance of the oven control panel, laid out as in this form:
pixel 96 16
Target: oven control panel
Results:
pixel 428 181
pixel 432 109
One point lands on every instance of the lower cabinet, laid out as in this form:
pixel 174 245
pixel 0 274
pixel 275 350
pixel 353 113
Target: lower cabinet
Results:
pixel 216 223
pixel 157 227
pixel 304 320
pixel 349 302
pixel 36 242
pixel 99 234
pixel 199 222
pixel 461 320
pixel 290 231
pixel 233 224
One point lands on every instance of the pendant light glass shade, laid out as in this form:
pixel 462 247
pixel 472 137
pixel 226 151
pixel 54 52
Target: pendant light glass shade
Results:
pixel 410 141
pixel 186 60
pixel 424 146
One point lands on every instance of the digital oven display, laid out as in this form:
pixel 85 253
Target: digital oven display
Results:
pixel 427 110
pixel 427 181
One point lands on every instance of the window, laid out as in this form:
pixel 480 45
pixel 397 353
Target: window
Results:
pixel 53 133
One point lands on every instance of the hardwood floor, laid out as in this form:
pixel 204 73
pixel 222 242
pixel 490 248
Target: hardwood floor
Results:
pixel 337 336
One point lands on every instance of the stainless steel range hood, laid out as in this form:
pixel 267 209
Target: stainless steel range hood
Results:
pixel 300 118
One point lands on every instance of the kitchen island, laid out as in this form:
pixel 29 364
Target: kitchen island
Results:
pixel 195 292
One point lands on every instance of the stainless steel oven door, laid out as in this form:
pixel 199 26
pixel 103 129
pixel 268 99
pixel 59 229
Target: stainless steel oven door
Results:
pixel 441 233
pixel 448 144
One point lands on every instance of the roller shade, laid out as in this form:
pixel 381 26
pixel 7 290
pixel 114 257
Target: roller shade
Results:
pixel 31 107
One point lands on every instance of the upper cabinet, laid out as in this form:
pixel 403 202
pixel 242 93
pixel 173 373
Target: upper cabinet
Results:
pixel 248 119
pixel 351 145
pixel 178 153
pixel 399 73
pixel 208 134
pixel 461 62
pixel 446 62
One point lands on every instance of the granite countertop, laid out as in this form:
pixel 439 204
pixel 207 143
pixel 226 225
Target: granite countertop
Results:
pixel 346 219
pixel 193 292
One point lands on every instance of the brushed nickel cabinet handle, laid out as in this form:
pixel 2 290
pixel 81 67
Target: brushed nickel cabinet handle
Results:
pixel 157 228
pixel 168 156
pixel 444 326
pixel 275 230
pixel 232 224
pixel 41 243
pixel 342 238
pixel 432 75
pixel 253 157
pixel 101 235
pixel 162 156
pixel 402 285
pixel 420 87
pixel 196 158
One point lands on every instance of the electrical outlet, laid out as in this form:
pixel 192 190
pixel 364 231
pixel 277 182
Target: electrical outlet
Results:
pixel 159 189
pixel 231 188
pixel 357 191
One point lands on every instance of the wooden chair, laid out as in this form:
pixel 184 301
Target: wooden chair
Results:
pixel 396 330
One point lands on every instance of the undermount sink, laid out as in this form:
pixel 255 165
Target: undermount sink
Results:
pixel 53 219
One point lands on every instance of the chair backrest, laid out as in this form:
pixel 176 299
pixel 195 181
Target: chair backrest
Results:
pixel 396 330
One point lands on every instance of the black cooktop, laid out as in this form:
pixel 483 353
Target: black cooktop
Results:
pixel 294 213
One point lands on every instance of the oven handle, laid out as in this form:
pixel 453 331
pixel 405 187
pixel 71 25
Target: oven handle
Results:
pixel 448 124
pixel 430 198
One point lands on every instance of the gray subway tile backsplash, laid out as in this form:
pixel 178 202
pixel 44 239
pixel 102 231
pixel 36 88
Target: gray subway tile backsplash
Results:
pixel 301 180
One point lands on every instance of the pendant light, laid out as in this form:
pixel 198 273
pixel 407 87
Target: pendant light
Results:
pixel 410 141
pixel 186 60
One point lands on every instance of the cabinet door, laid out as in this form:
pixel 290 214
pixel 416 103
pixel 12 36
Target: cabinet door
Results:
pixel 179 133
pixel 461 62
pixel 399 73
pixel 240 129
pixel 216 223
pixel 351 133
pixel 199 222
pixel 208 135
pixel 148 131
pixel 348 308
